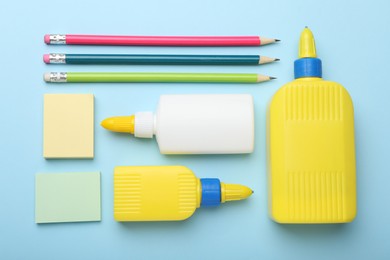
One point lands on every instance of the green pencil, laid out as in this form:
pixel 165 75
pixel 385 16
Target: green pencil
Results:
pixel 96 77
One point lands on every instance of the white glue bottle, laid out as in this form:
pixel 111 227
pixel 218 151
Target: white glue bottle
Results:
pixel 194 124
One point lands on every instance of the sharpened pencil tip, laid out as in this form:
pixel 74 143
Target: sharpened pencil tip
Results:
pixel 253 192
pixel 277 40
pixel 272 78
pixel 276 59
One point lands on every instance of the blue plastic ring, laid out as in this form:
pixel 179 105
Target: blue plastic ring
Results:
pixel 308 67
pixel 211 192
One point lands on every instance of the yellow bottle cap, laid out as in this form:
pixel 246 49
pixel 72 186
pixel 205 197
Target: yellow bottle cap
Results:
pixel 307 45
pixel 231 192
pixel 123 124
pixel 308 65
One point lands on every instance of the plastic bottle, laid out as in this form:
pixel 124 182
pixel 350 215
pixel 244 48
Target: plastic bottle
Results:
pixel 162 193
pixel 194 124
pixel 311 146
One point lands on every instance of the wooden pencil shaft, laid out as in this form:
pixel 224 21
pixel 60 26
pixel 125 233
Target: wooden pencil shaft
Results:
pixel 162 59
pixel 63 77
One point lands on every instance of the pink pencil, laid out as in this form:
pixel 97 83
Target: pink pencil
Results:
pixel 80 39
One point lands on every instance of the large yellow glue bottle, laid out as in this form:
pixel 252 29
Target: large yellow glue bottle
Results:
pixel 167 193
pixel 312 175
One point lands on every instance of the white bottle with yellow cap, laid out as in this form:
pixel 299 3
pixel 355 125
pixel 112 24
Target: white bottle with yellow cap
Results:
pixel 194 124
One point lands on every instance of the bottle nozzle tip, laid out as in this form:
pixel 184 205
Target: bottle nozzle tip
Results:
pixel 307 47
pixel 124 124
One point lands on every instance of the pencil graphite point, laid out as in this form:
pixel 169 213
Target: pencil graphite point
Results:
pixel 277 59
pixel 265 59
pixel 277 40
pixel 263 78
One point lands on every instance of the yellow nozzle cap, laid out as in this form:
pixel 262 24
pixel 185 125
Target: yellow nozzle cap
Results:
pixel 231 192
pixel 307 45
pixel 123 124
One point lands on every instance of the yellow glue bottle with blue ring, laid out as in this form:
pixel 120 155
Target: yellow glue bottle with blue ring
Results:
pixel 167 193
pixel 312 175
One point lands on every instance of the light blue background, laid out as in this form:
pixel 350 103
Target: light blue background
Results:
pixel 353 39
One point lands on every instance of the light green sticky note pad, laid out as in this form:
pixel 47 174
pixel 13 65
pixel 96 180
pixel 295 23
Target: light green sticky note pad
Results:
pixel 67 197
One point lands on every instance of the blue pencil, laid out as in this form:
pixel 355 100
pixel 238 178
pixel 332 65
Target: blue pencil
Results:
pixel 56 58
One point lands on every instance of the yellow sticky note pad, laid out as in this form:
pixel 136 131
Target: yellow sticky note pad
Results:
pixel 68 128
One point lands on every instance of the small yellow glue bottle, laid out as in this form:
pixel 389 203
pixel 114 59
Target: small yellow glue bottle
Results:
pixel 312 175
pixel 167 193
